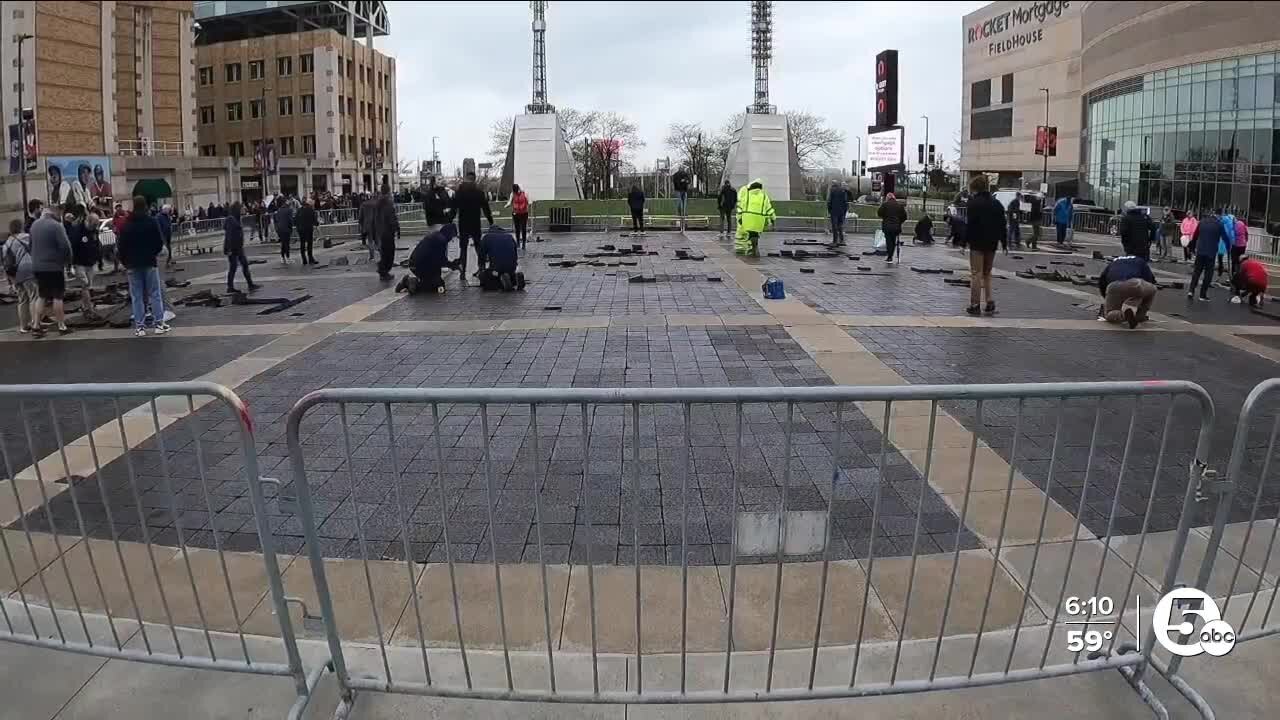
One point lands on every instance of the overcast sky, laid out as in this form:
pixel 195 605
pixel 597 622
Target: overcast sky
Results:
pixel 462 65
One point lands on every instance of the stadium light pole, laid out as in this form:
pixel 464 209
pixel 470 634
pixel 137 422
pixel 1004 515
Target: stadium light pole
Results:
pixel 22 125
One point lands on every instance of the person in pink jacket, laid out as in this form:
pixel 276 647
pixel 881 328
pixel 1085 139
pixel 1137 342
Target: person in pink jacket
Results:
pixel 1240 245
pixel 1189 225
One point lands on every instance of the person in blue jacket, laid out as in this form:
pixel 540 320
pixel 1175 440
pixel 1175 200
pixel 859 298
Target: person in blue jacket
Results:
pixel 1228 237
pixel 1062 213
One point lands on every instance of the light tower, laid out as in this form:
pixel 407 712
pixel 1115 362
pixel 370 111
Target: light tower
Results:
pixel 538 156
pixel 761 148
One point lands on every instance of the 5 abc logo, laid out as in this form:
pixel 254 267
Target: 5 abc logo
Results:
pixel 1215 637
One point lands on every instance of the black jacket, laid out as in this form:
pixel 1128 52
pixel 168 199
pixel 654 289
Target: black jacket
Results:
pixel 728 198
pixel 85 250
pixel 680 181
pixel 892 216
pixel 1208 235
pixel 283 219
pixel 635 199
pixel 306 221
pixel 1124 268
pixel 140 242
pixel 385 223
pixel 430 255
pixel 436 206
pixel 469 201
pixel 985 226
pixel 1135 233
pixel 838 202
pixel 232 234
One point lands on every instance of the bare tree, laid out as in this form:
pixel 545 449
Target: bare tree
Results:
pixel 702 152
pixel 611 138
pixel 814 140
pixel 499 139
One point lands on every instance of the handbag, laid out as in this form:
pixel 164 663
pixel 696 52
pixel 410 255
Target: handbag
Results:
pixel 1185 240
pixel 880 243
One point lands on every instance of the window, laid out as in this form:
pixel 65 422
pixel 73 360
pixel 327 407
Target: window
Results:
pixel 256 109
pixel 342 105
pixel 980 94
pixel 308 144
pixel 361 75
pixel 286 145
pixel 307 63
pixel 235 149
pixel 991 124
pixel 286 105
pixel 350 65
pixel 369 76
pixel 351 106
pixel 340 73
pixel 208 150
pixel 308 104
pixel 233 72
pixel 235 112
pixel 206 76
pixel 351 143
pixel 342 142
pixel 364 109
pixel 257 69
pixel 284 66
pixel 206 114
pixel 1006 88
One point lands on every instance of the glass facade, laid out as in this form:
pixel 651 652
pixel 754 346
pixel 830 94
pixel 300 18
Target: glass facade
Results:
pixel 1191 137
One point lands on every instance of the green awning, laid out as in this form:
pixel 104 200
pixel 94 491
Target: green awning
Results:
pixel 153 189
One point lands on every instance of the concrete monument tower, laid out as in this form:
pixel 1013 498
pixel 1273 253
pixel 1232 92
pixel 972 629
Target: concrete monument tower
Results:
pixel 762 146
pixel 538 156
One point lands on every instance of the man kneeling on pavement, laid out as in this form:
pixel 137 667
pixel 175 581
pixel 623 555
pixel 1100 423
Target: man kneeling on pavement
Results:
pixel 427 262
pixel 499 264
pixel 1128 287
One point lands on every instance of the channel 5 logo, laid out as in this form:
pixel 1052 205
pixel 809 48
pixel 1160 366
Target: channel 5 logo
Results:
pixel 1215 637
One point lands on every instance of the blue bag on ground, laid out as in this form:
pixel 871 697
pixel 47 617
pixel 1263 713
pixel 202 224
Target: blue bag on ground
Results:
pixel 773 289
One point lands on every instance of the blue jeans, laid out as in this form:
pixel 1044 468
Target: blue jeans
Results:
pixel 144 287
pixel 682 203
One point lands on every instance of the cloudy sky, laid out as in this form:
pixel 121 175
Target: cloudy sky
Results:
pixel 462 65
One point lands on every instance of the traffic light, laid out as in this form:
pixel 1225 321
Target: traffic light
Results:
pixel 920 151
pixel 863 170
pixel 932 155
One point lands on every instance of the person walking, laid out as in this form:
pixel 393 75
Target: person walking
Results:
pixel 1207 239
pixel 50 255
pixel 892 217
pixel 1014 234
pixel 1036 219
pixel 139 246
pixel 1135 231
pixel 165 221
pixel 1063 213
pixel 680 185
pixel 283 219
pixel 233 248
pixel 307 222
pixel 469 202
pixel 1239 245
pixel 726 202
pixel 385 228
pixel 1128 288
pixel 837 209
pixel 635 202
pixel 22 278
pixel 364 218
pixel 755 215
pixel 984 228
pixel 520 208
pixel 1188 233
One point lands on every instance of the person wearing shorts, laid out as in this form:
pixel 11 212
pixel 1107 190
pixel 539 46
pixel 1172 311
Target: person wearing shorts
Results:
pixel 985 228
pixel 50 256
pixel 17 266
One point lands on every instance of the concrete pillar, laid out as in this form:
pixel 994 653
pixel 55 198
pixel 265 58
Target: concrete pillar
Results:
pixel 107 52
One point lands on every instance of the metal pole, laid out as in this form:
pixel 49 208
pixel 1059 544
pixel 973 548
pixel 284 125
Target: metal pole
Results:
pixel 924 194
pixel 1044 177
pixel 262 141
pixel 22 127
pixel 857 168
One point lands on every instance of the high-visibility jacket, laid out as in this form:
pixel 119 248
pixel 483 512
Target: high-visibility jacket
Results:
pixel 755 209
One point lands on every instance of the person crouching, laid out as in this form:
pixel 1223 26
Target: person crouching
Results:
pixel 1250 281
pixel 427 262
pixel 1128 288
pixel 499 269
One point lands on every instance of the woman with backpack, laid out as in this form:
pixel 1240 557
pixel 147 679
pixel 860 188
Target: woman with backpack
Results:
pixel 17 267
pixel 520 207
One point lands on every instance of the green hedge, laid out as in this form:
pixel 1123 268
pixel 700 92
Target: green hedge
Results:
pixel 697 206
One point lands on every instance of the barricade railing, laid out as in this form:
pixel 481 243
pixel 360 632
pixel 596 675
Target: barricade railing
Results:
pixel 787 464
pixel 93 570
pixel 1247 549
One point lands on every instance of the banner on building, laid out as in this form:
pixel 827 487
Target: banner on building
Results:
pixel 15 149
pixel 1047 140
pixel 22 144
pixel 79 180
pixel 265 157
pixel 887 88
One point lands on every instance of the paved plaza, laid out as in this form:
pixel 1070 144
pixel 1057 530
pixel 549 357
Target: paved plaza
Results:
pixel 660 490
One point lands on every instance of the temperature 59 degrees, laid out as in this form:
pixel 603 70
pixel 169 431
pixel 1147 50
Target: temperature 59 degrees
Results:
pixel 1090 640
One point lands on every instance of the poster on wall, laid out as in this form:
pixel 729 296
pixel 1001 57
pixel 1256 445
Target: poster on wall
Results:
pixel 884 148
pixel 1047 140
pixel 79 180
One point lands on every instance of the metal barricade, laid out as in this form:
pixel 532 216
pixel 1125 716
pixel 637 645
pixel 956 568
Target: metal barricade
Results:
pixel 1245 548
pixel 87 540
pixel 576 449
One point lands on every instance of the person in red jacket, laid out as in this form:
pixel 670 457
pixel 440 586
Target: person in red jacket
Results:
pixel 1250 281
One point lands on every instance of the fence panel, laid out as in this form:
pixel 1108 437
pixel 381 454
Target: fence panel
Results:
pixel 90 572
pixel 769 482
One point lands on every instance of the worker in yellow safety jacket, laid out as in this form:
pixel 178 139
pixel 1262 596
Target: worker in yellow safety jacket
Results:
pixel 755 214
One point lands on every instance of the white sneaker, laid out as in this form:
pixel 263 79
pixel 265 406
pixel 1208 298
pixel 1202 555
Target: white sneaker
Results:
pixel 161 329
pixel 140 332
pixel 1235 299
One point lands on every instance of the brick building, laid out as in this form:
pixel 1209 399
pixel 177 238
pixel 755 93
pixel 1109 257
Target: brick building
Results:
pixel 303 80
